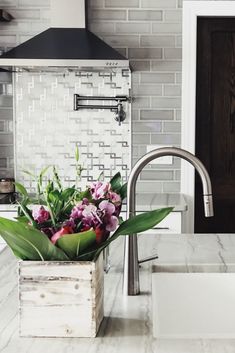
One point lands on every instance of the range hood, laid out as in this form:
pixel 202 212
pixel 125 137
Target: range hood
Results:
pixel 66 43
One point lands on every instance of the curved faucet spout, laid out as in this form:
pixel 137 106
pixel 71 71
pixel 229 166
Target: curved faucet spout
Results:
pixel 131 264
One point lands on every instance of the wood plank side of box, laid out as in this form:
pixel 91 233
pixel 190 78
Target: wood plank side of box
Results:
pixel 60 299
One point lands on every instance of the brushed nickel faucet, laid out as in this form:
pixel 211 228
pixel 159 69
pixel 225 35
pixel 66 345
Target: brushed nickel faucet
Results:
pixel 131 262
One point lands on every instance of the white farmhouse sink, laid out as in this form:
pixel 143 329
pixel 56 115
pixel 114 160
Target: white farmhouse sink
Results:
pixel 193 305
pixel 193 287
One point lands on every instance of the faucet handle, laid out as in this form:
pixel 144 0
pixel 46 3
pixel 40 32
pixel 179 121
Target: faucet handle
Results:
pixel 208 205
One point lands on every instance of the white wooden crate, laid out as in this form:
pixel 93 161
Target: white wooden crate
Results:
pixel 60 299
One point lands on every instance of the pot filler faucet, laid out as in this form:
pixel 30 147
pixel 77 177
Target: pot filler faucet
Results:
pixel 131 262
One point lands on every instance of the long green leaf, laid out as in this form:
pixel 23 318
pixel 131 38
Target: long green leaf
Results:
pixel 116 182
pixel 29 173
pixel 57 178
pixel 29 243
pixel 75 244
pixel 27 213
pixel 123 191
pixel 76 153
pixel 42 173
pixel 142 222
pixel 21 189
pixel 133 225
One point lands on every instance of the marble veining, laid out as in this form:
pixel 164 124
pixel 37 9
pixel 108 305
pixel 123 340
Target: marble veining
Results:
pixel 127 327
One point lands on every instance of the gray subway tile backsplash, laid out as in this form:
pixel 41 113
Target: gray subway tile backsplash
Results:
pixel 166 65
pixel 157 78
pixel 167 27
pixel 172 53
pixel 3 163
pixel 147 126
pixel 122 3
pixel 155 114
pixel 157 174
pixel 6 139
pixel 122 40
pixel 147 90
pixel 140 65
pixel 157 41
pixel 166 102
pixel 173 15
pixel 162 4
pixel 145 15
pixel 172 126
pixel 172 90
pixel 108 15
pixel 133 27
pixel 166 139
pixel 145 53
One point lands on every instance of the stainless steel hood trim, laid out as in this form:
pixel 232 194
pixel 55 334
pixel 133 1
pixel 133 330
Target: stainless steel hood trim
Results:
pixel 63 62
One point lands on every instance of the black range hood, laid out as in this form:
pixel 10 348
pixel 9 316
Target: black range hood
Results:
pixel 65 45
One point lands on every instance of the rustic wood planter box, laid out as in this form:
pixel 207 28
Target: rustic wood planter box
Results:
pixel 60 299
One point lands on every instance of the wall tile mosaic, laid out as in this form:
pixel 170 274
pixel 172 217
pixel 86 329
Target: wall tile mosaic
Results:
pixel 47 129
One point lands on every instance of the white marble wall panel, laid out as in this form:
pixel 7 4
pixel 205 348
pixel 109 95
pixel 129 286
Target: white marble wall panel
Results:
pixel 47 129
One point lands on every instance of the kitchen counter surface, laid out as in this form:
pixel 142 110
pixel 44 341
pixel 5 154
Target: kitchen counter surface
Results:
pixel 145 202
pixel 127 326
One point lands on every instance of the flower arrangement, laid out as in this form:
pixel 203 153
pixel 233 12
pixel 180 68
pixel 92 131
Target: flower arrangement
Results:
pixel 68 224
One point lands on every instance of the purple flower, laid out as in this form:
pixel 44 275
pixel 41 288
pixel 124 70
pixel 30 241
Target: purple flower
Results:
pixel 78 209
pixel 110 220
pixel 115 198
pixel 94 216
pixel 107 207
pixel 112 224
pixel 40 214
pixel 99 189
pixel 91 216
pixel 89 211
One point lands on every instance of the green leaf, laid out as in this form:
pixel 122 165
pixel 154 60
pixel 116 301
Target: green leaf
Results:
pixel 76 153
pixel 75 244
pixel 27 214
pixel 28 243
pixel 68 193
pixel 22 219
pixel 133 225
pixel 29 173
pixel 57 178
pixel 21 189
pixel 116 182
pixel 143 221
pixel 42 173
pixel 123 191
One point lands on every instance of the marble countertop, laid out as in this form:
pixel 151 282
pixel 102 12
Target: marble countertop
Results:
pixel 127 326
pixel 144 202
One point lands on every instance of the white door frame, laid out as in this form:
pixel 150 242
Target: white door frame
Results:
pixel 191 10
